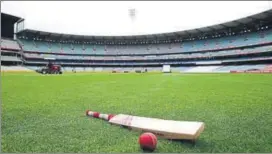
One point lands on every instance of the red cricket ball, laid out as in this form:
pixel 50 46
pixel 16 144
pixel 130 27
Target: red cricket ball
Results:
pixel 148 142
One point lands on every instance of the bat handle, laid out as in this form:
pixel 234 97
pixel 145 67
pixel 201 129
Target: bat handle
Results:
pixel 99 115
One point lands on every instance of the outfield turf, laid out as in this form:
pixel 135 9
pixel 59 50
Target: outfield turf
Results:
pixel 47 113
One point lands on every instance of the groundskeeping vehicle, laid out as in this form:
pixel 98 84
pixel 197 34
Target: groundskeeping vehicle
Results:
pixel 50 69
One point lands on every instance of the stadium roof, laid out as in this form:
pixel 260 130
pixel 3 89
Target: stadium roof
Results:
pixel 249 21
pixel 7 25
pixel 13 18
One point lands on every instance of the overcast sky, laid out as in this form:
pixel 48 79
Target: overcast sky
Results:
pixel 112 18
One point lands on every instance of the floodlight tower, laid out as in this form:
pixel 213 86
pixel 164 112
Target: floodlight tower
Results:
pixel 132 15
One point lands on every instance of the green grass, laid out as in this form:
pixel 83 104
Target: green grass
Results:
pixel 46 113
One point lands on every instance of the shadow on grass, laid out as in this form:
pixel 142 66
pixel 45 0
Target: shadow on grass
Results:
pixel 199 144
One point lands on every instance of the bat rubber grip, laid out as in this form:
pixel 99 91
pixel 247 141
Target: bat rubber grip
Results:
pixel 97 115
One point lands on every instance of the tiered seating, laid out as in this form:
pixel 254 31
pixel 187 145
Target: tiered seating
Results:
pixel 66 48
pixel 77 49
pixel 192 55
pixel 28 45
pixel 9 44
pixel 55 47
pixel 216 43
pixel 10 58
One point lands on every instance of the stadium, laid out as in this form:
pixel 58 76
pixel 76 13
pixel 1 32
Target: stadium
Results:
pixel 218 74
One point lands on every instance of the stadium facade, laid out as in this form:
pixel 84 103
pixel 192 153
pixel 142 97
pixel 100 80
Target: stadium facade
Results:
pixel 240 45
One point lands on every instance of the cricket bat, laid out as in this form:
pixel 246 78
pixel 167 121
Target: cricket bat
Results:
pixel 169 129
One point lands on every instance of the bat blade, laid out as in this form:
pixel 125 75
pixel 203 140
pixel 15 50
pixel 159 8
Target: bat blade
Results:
pixel 170 129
